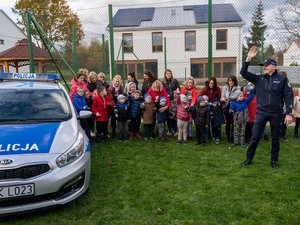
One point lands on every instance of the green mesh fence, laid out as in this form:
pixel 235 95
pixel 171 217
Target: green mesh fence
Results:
pixel 174 35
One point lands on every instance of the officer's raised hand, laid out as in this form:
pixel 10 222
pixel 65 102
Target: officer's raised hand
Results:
pixel 252 52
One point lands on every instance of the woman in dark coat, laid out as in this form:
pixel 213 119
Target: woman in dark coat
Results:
pixel 171 84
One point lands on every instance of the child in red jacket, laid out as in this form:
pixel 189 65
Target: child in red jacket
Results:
pixel 100 108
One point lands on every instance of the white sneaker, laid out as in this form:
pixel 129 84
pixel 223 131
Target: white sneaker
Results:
pixel 93 134
pixel 169 134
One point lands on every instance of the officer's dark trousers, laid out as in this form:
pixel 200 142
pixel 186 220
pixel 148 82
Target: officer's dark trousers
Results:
pixel 261 119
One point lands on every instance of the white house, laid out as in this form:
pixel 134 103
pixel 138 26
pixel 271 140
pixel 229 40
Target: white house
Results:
pixel 292 54
pixel 10 33
pixel 178 38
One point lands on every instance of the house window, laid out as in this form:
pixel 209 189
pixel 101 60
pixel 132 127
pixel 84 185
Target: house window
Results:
pixel 190 41
pixel 1 69
pixel 221 42
pixel 157 42
pixel 197 70
pixel 229 69
pixel 128 42
pixel 221 67
pixel 138 67
pixel 1 42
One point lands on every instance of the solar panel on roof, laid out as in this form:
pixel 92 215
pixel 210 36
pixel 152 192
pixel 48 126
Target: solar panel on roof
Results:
pixel 220 13
pixel 132 17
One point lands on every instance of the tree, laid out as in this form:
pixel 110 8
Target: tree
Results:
pixel 269 53
pixel 55 18
pixel 289 16
pixel 256 30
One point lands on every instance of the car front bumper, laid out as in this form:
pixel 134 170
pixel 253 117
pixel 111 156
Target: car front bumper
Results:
pixel 56 187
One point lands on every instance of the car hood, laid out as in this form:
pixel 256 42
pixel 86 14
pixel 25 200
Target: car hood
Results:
pixel 43 138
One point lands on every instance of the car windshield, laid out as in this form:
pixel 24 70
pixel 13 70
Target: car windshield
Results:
pixel 33 106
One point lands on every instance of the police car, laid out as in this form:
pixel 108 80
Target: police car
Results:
pixel 44 152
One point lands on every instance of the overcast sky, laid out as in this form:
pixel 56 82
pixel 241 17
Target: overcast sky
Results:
pixel 83 8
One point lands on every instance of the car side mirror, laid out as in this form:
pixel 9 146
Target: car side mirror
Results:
pixel 85 114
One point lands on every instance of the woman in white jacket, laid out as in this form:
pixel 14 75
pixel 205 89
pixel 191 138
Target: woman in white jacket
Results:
pixel 297 113
pixel 229 94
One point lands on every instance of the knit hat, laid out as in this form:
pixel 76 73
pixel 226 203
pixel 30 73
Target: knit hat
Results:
pixel 162 99
pixel 205 98
pixel 130 84
pixel 137 91
pixel 147 96
pixel 183 98
pixel 238 93
pixel 200 99
pixel 120 96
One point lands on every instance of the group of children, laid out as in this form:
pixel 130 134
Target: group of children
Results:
pixel 131 108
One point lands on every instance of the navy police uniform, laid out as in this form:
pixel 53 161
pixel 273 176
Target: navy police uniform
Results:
pixel 271 93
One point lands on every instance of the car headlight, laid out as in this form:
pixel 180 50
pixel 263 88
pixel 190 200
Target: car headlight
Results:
pixel 73 153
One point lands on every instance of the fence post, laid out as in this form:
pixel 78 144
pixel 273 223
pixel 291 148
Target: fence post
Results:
pixel 28 29
pixel 75 66
pixel 111 42
pixel 262 51
pixel 209 39
pixel 123 64
pixel 165 52
pixel 103 55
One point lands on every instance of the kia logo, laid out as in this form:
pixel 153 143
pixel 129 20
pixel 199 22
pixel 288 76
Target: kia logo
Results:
pixel 6 161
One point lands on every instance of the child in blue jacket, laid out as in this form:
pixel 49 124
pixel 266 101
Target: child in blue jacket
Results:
pixel 80 103
pixel 239 109
pixel 160 102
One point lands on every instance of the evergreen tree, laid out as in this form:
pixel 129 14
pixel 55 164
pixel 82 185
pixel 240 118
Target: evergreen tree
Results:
pixel 269 52
pixel 256 30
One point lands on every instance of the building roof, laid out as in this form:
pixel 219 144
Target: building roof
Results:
pixel 176 16
pixel 297 42
pixel 20 51
pixel 12 22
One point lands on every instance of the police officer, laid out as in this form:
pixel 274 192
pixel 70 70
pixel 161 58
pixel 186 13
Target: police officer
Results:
pixel 272 89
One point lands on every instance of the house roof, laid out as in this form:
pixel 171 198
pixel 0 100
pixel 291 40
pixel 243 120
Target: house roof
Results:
pixel 12 22
pixel 176 16
pixel 20 51
pixel 297 42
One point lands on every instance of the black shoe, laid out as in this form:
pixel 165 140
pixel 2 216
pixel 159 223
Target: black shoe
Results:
pixel 247 162
pixel 274 164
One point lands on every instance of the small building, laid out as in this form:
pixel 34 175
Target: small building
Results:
pixel 18 56
pixel 292 54
pixel 178 37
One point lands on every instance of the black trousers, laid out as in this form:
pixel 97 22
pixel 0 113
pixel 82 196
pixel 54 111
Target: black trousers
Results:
pixel 85 126
pixel 102 128
pixel 201 134
pixel 134 125
pixel 248 132
pixel 261 119
pixel 229 124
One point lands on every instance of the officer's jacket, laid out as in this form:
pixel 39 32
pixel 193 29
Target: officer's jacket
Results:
pixel 271 91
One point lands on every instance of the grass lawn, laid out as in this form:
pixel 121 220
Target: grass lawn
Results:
pixel 139 182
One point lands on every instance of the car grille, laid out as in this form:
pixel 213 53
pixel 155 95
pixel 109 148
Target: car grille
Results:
pixel 24 172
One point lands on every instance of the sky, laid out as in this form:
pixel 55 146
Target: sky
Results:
pixel 95 11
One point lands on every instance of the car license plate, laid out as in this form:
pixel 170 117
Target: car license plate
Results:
pixel 16 191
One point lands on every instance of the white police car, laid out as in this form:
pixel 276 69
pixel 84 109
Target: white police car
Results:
pixel 44 153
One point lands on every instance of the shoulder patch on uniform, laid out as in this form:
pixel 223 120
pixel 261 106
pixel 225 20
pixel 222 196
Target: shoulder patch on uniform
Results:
pixel 289 84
